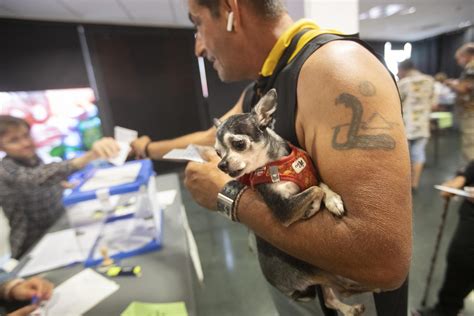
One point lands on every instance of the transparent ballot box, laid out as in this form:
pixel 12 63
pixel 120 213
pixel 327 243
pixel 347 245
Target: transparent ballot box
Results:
pixel 117 207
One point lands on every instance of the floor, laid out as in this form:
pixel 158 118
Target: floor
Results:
pixel 234 285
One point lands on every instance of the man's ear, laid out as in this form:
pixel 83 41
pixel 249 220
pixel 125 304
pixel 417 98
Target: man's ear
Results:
pixel 265 108
pixel 234 7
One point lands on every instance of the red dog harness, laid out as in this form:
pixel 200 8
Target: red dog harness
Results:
pixel 297 167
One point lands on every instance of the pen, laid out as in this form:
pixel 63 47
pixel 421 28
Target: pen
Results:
pixel 35 300
pixel 118 271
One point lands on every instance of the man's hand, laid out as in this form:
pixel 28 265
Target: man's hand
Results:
pixel 205 180
pixel 456 183
pixel 105 147
pixel 35 286
pixel 139 145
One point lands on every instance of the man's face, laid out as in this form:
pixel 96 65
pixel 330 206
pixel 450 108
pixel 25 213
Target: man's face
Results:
pixel 17 143
pixel 214 42
pixel 461 59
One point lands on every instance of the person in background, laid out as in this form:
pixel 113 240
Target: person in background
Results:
pixel 17 291
pixel 418 96
pixel 464 88
pixel 31 191
pixel 332 95
pixel 459 275
pixel 446 96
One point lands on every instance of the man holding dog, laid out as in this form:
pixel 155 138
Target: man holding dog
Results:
pixel 338 102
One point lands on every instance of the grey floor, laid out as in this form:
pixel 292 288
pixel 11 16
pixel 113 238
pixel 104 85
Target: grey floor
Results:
pixel 233 282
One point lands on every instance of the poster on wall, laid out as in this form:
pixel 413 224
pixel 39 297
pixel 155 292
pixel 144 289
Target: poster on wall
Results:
pixel 64 122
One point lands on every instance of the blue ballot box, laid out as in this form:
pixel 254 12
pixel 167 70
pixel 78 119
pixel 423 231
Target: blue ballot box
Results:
pixel 116 209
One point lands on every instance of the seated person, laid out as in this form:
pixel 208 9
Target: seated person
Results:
pixel 19 290
pixel 31 191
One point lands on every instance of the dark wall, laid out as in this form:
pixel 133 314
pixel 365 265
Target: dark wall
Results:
pixel 38 56
pixel 222 96
pixel 435 54
pixel 148 77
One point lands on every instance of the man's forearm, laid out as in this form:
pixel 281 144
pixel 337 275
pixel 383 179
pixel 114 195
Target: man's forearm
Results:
pixel 82 161
pixel 157 149
pixel 351 247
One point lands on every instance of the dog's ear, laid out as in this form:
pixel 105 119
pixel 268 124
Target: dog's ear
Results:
pixel 216 122
pixel 265 108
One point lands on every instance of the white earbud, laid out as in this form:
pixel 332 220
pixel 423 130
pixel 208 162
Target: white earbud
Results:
pixel 230 21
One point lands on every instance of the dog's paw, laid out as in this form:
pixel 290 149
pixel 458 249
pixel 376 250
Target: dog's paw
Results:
pixel 334 204
pixel 315 207
pixel 355 310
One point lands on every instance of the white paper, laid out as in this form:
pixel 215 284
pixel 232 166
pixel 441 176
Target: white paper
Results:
pixel 79 294
pixel 126 135
pixel 54 250
pixel 121 157
pixel 109 177
pixel 454 191
pixel 190 153
pixel 166 198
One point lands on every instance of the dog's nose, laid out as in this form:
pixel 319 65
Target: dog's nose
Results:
pixel 224 166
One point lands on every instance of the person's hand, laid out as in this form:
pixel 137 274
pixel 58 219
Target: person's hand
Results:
pixel 456 183
pixel 205 180
pixel 139 145
pixel 34 286
pixel 105 147
pixel 24 311
pixel 451 82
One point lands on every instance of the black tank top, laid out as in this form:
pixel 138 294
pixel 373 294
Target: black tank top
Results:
pixel 284 79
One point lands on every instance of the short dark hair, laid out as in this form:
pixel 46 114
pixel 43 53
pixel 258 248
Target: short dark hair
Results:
pixel 407 64
pixel 466 49
pixel 265 8
pixel 7 122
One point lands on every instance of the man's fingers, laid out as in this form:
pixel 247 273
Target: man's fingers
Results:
pixel 207 153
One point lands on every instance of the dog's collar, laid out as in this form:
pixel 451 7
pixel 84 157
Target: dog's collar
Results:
pixel 297 167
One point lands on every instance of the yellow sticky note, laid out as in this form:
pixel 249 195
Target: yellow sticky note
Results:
pixel 155 309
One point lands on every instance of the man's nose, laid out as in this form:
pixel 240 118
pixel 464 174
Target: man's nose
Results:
pixel 224 166
pixel 199 46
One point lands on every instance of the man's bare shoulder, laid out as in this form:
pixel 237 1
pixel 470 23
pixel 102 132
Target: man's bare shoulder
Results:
pixel 340 62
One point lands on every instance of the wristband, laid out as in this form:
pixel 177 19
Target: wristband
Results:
pixel 147 155
pixel 228 199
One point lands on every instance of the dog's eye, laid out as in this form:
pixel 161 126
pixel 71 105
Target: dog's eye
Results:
pixel 239 145
pixel 218 153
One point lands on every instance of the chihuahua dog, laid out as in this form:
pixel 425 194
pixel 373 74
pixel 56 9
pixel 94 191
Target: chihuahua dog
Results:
pixel 285 178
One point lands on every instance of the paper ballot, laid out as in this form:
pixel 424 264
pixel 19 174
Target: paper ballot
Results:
pixel 79 294
pixel 124 137
pixel 190 153
pixel 454 191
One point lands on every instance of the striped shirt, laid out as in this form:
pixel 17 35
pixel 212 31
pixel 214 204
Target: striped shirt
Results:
pixel 31 198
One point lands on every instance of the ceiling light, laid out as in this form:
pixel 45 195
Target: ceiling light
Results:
pixel 375 12
pixel 464 24
pixel 409 10
pixel 363 16
pixel 392 9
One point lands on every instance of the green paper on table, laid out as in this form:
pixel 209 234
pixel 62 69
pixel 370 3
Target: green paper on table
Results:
pixel 152 309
